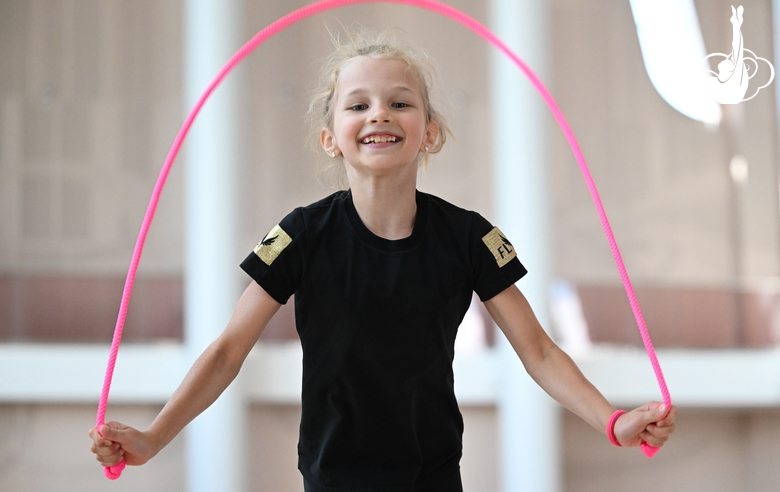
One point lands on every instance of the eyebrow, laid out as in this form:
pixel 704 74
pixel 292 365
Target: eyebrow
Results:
pixel 360 90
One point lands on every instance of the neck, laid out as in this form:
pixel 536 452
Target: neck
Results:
pixel 387 208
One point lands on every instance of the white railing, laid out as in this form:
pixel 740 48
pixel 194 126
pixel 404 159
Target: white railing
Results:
pixel 148 373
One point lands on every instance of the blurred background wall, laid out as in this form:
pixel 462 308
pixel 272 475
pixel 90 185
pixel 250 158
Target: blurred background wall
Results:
pixel 91 98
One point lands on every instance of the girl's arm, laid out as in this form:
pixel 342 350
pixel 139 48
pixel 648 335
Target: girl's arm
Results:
pixel 211 373
pixel 557 374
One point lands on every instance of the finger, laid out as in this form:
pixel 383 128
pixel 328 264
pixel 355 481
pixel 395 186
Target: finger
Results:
pixel 653 405
pixel 652 413
pixel 661 411
pixel 105 431
pixel 652 440
pixel 659 431
pixel 639 420
pixel 103 444
pixel 653 434
pixel 111 459
pixel 97 438
pixel 110 462
pixel 106 450
pixel 669 419
pixel 112 431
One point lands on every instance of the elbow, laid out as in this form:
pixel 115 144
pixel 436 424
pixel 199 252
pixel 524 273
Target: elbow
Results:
pixel 225 359
pixel 541 357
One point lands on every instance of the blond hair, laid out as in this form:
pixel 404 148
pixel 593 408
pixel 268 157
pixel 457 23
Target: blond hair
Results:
pixel 362 42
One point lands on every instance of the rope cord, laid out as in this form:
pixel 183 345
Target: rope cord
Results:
pixel 274 28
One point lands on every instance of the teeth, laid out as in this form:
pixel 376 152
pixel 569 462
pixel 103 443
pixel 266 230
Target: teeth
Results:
pixel 379 139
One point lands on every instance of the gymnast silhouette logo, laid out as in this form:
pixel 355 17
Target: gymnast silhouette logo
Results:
pixel 736 69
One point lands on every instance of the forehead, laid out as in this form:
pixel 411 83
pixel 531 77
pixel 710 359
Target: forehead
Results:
pixel 366 73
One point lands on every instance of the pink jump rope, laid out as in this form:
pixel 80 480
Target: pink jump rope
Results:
pixel 281 24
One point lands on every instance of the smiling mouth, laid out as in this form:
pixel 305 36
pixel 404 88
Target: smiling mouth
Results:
pixel 380 139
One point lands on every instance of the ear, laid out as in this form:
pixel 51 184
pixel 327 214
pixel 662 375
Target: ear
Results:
pixel 328 142
pixel 431 135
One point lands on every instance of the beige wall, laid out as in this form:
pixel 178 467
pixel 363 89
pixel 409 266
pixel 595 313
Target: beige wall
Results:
pixel 53 437
pixel 45 449
pixel 713 450
pixel 90 100
pixel 663 177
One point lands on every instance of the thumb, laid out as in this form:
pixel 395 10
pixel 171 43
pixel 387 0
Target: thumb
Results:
pixel 659 410
pixel 113 431
pixel 652 412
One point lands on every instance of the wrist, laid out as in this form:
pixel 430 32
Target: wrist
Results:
pixel 611 427
pixel 155 440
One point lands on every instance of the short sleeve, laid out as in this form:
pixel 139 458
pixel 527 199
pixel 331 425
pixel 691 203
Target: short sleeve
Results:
pixel 493 259
pixel 276 262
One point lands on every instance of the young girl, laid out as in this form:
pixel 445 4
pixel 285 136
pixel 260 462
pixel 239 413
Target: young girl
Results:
pixel 382 275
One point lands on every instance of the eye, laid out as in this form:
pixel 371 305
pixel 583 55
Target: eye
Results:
pixel 400 105
pixel 358 107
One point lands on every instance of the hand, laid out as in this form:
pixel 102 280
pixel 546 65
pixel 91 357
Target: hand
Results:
pixel 652 423
pixel 115 442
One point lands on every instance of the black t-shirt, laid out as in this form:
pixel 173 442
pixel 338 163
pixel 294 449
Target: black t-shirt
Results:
pixel 377 320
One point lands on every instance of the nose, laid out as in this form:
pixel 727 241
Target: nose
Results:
pixel 380 114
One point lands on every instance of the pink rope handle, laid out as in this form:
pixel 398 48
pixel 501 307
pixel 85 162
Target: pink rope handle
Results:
pixel 283 23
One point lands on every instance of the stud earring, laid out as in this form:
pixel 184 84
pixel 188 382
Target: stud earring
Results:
pixel 333 154
pixel 426 148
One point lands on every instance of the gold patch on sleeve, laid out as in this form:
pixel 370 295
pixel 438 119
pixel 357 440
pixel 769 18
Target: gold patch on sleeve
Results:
pixel 500 246
pixel 272 245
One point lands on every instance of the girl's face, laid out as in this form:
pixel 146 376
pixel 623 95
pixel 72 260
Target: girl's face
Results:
pixel 379 117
